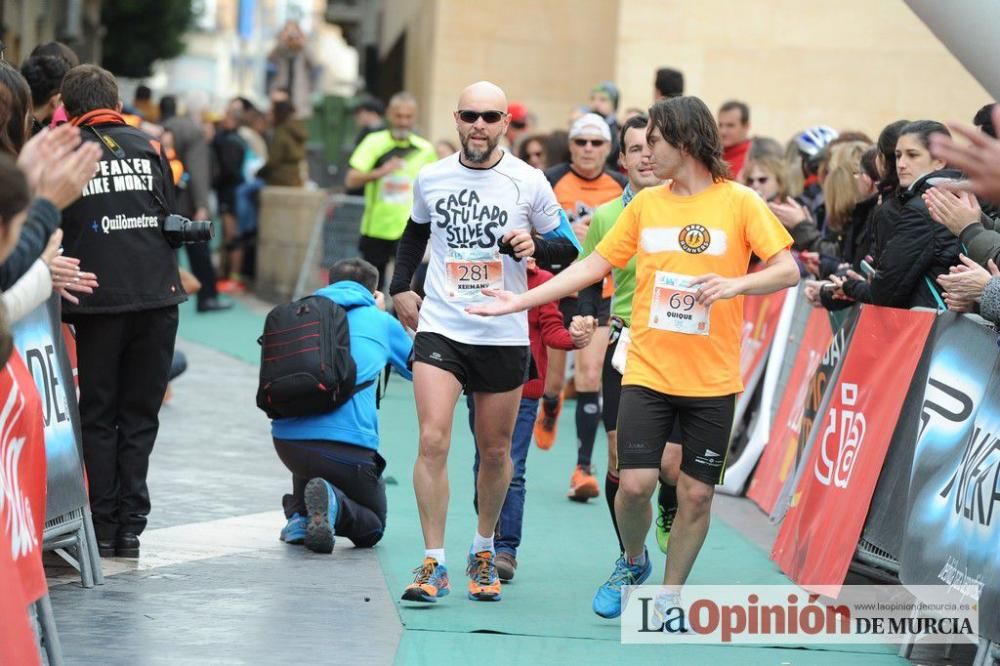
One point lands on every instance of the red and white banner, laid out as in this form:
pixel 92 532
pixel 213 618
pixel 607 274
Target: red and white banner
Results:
pixel 760 320
pixel 22 474
pixel 783 444
pixel 820 532
pixel 17 640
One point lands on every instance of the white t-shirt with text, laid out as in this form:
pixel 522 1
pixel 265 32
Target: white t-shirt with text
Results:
pixel 469 211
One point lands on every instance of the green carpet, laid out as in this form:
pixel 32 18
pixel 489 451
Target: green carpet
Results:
pixel 568 549
pixel 233 332
pixel 441 648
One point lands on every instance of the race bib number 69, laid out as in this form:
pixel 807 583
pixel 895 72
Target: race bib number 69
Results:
pixel 675 306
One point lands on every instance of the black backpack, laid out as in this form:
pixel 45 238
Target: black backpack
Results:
pixel 305 359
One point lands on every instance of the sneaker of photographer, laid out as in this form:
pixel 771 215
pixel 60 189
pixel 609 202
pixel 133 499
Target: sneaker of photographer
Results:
pixel 321 507
pixel 294 531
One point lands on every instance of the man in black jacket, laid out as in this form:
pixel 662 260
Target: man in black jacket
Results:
pixel 125 330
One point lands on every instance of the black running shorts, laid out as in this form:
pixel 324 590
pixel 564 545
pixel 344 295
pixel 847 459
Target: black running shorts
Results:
pixel 611 388
pixel 646 419
pixel 479 368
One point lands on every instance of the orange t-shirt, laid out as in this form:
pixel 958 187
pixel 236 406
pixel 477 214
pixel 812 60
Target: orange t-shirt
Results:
pixel 714 231
pixel 581 196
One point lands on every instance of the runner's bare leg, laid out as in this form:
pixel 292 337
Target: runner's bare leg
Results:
pixel 436 393
pixel 496 414
pixel 632 507
pixel 694 511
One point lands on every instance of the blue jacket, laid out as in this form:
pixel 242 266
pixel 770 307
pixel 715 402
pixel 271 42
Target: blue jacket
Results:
pixel 377 340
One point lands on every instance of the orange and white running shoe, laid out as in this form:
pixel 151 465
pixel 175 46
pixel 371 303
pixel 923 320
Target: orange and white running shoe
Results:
pixel 484 583
pixel 583 485
pixel 546 424
pixel 429 584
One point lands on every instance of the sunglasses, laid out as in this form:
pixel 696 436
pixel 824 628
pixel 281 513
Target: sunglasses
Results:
pixel 596 143
pixel 759 181
pixel 518 124
pixel 490 117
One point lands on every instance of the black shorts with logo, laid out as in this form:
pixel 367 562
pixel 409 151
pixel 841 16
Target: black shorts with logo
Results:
pixel 611 386
pixel 646 420
pixel 479 368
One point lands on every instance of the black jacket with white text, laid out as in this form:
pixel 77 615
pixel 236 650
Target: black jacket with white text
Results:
pixel 115 228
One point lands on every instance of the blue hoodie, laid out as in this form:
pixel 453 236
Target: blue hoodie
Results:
pixel 377 340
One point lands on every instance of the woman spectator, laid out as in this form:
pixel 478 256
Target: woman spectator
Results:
pixel 767 176
pixel 883 217
pixel 841 193
pixel 533 151
pixel 15 110
pixel 910 250
pixel 45 161
pixel 15 195
pixel 65 172
pixel 765 145
pixel 855 235
pixel 287 149
pixel 793 167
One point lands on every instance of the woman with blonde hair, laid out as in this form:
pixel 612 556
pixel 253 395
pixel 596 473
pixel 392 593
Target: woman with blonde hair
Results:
pixel 821 250
pixel 840 187
pixel 767 175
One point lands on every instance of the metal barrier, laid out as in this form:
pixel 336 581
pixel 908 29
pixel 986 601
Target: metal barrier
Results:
pixel 335 235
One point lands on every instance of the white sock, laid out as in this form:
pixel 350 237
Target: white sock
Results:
pixel 481 543
pixel 436 553
pixel 638 561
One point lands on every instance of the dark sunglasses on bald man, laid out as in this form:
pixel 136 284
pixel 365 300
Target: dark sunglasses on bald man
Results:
pixel 490 117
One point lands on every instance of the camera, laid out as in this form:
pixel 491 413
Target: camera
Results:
pixel 181 231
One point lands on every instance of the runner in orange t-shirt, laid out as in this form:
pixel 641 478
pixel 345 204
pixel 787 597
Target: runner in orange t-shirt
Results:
pixel 692 241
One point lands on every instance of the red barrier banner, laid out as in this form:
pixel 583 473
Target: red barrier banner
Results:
pixel 760 320
pixel 17 640
pixel 22 474
pixel 784 442
pixel 69 339
pixel 820 532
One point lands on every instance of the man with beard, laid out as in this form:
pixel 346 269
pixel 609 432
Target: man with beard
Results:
pixel 475 207
pixel 386 163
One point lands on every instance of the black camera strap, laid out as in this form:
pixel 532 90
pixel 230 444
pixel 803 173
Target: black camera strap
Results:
pixel 109 143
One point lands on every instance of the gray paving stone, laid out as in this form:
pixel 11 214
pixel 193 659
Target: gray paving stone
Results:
pixel 267 604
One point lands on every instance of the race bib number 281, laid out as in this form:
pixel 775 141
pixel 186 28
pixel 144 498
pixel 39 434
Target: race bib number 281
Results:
pixel 468 271
pixel 675 307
